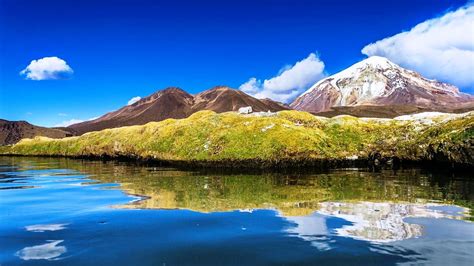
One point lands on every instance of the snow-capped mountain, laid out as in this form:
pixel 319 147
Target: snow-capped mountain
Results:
pixel 378 81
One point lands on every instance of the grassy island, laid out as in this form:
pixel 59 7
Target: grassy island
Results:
pixel 272 139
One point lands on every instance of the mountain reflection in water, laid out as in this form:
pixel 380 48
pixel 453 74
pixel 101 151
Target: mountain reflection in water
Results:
pixel 371 221
pixel 51 207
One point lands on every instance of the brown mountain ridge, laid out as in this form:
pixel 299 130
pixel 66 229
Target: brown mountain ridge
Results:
pixel 13 131
pixel 174 102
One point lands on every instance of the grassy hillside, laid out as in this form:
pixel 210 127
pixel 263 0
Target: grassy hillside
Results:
pixel 285 136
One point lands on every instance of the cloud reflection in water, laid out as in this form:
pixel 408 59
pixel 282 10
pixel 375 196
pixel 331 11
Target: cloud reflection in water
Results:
pixel 48 251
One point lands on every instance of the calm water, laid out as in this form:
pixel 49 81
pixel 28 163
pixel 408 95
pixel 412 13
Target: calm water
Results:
pixel 72 212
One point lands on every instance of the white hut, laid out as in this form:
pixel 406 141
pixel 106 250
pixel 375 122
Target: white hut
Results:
pixel 245 110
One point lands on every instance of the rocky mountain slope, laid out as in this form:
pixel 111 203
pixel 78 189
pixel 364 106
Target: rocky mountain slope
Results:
pixel 376 81
pixel 13 131
pixel 176 103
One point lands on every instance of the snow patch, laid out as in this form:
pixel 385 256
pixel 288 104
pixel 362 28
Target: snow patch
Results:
pixel 424 115
pixel 438 116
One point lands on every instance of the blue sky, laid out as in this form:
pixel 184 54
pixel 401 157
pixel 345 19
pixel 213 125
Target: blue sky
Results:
pixel 121 49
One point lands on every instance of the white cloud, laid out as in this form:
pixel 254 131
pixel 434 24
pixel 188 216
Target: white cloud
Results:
pixel 47 68
pixel 74 121
pixel 252 86
pixel 68 122
pixel 441 48
pixel 289 83
pixel 134 100
pixel 62 114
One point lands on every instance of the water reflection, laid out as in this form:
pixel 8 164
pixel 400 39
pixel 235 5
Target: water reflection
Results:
pixel 45 227
pixel 376 222
pixel 381 221
pixel 290 194
pixel 167 211
pixel 311 228
pixel 48 251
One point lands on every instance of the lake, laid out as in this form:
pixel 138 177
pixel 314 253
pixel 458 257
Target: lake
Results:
pixel 75 212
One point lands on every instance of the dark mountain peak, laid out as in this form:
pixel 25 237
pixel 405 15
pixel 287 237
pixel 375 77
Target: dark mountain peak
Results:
pixel 169 90
pixel 16 122
pixel 166 92
pixel 13 131
pixel 173 90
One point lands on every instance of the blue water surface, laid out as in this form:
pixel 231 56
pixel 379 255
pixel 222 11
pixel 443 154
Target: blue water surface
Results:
pixel 67 212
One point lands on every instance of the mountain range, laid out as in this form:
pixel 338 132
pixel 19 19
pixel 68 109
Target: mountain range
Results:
pixel 374 87
pixel 176 103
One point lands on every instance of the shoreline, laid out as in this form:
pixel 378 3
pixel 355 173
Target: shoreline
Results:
pixel 284 166
pixel 286 140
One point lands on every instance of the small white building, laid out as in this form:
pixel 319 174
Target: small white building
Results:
pixel 245 110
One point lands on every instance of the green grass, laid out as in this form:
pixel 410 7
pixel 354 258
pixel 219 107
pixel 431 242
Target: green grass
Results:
pixel 289 135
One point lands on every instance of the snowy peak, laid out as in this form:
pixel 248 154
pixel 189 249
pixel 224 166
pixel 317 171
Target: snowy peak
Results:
pixel 377 81
pixel 373 62
pixel 377 62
